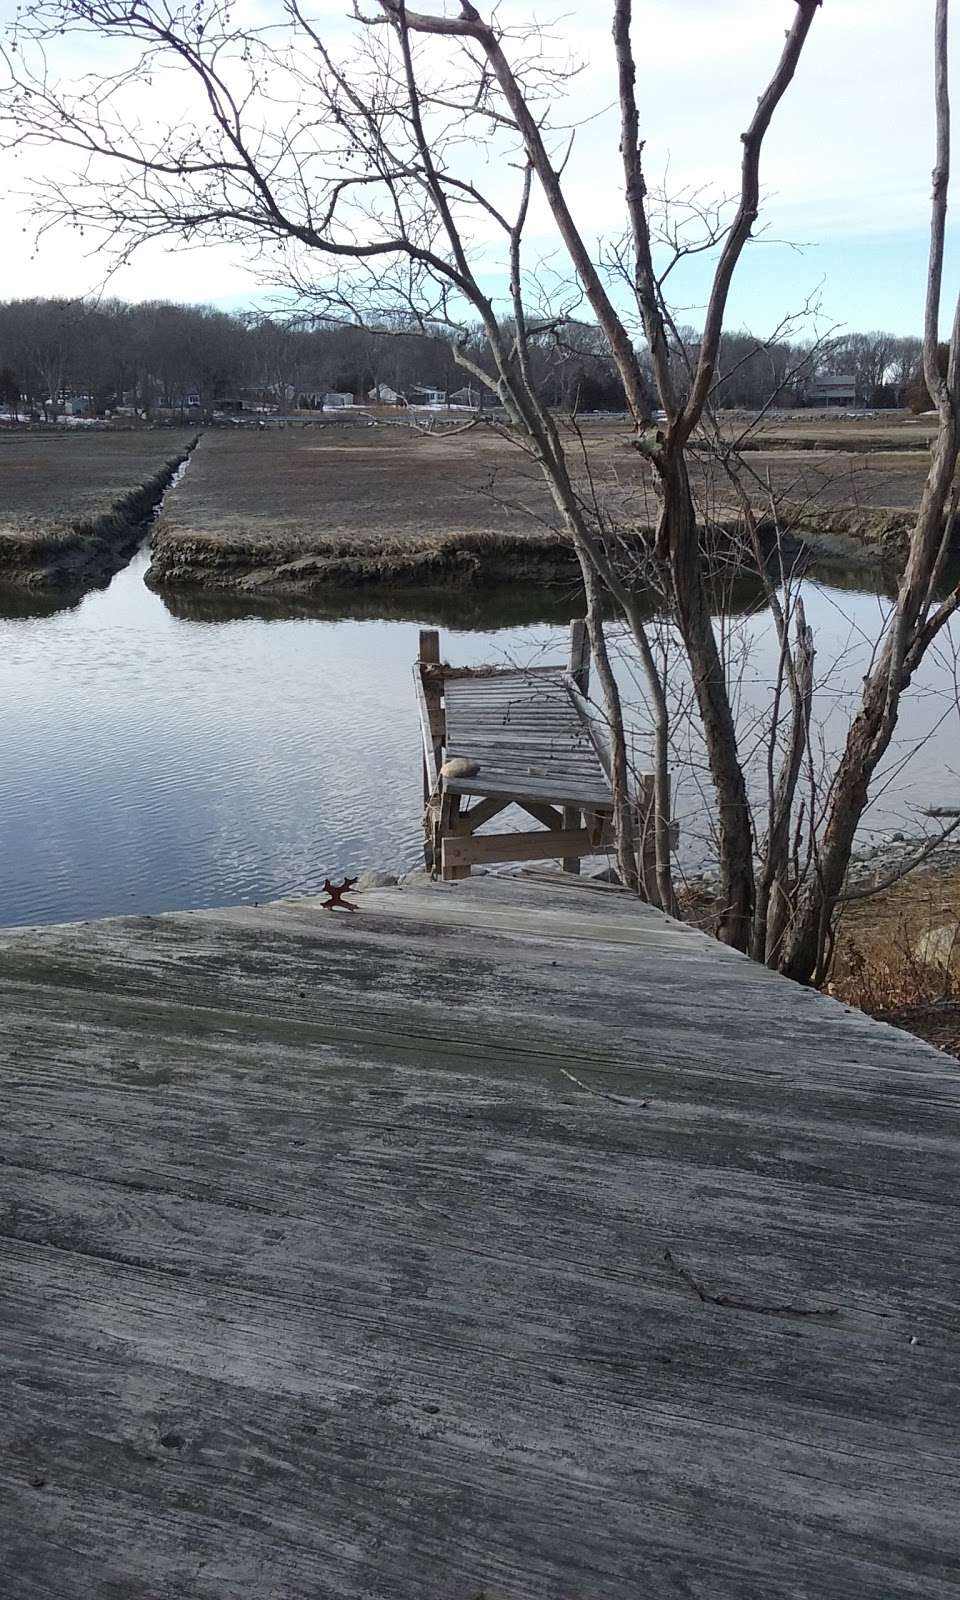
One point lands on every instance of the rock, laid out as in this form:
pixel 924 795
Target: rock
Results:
pixel 898 838
pixel 940 947
pixel 459 768
pixel 376 880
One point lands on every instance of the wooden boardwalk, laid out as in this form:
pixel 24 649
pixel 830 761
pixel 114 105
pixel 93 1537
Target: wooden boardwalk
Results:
pixel 506 737
pixel 528 739
pixel 503 1239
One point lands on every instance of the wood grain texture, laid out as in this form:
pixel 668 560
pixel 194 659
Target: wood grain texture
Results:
pixel 528 737
pixel 505 1238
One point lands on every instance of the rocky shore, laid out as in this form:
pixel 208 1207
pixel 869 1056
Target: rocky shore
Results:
pixel 873 863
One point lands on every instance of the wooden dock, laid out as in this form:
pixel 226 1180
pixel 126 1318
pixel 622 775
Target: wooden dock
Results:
pixel 502 1239
pixel 503 737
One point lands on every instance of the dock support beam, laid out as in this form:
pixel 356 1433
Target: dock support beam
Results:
pixel 431 719
pixel 580 673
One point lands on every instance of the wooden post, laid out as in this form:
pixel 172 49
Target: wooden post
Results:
pixel 646 837
pixel 580 655
pixel 451 825
pixel 580 673
pixel 430 646
pixel 429 655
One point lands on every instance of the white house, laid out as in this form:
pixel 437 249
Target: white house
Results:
pixel 385 396
pixel 335 399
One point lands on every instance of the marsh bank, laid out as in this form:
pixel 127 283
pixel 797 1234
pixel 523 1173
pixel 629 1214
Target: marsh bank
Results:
pixel 294 511
pixel 75 503
pixel 299 511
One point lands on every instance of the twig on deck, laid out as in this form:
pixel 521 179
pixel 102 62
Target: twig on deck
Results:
pixel 734 1303
pixel 618 1100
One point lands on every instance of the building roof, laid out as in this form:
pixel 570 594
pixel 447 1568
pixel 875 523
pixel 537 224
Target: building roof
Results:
pixel 834 380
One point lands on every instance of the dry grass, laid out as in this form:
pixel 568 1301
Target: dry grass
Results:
pixel 307 508
pixel 879 968
pixel 73 506
pixel 345 502
pixel 350 485
pixel 880 432
pixel 56 484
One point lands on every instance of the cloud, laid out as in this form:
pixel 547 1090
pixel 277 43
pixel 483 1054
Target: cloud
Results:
pixel 848 156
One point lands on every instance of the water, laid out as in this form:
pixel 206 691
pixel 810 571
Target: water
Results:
pixel 157 756
pixel 150 761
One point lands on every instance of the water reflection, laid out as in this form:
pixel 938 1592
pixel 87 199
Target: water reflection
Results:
pixel 486 609
pixel 23 603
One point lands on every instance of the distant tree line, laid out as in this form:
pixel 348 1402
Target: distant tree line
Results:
pixel 157 356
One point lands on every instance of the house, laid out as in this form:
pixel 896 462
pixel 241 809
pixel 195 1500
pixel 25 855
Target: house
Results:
pixel 383 395
pixel 335 399
pixel 832 389
pixel 423 395
pixel 467 396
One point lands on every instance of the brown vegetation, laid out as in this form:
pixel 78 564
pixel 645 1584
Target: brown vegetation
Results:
pixel 72 503
pixel 890 962
pixel 311 507
pixel 348 503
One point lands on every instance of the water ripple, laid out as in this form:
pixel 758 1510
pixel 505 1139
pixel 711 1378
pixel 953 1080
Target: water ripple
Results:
pixel 153 763
pixel 149 762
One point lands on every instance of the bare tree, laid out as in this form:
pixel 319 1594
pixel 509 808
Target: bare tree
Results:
pixel 917 618
pixel 353 167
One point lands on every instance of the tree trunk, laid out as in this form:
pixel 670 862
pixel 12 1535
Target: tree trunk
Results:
pixel 872 729
pixel 678 541
pixel 803 956
pixel 662 820
pixel 620 778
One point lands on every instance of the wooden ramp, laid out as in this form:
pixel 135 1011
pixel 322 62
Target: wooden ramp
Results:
pixel 502 737
pixel 528 738
pixel 503 1239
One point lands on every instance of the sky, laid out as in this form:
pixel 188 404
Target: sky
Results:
pixel 846 166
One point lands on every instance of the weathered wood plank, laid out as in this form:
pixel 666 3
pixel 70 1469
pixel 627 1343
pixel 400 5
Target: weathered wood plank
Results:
pixel 483 811
pixel 502 734
pixel 547 769
pixel 548 815
pixel 464 676
pixel 324 1279
pixel 429 738
pixel 515 786
pixel 543 845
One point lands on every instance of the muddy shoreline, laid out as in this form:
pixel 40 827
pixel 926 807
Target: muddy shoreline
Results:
pixel 184 565
pixel 66 566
